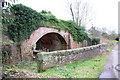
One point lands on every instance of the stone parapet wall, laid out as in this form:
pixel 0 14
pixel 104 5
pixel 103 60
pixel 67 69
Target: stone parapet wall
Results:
pixel 47 60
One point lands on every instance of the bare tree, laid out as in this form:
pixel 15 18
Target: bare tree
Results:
pixel 80 11
pixel 72 12
pixel 94 31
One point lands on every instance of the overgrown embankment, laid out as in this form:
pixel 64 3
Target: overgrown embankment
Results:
pixel 25 20
pixel 81 69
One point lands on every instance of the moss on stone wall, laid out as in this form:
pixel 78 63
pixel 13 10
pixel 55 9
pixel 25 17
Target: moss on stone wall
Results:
pixel 63 57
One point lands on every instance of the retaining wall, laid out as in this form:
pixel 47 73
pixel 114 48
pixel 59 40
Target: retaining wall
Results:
pixel 46 60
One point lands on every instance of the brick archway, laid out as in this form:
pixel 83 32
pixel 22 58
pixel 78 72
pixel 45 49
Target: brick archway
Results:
pixel 40 32
pixel 51 42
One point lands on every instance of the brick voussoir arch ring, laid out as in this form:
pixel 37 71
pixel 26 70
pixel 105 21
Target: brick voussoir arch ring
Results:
pixel 40 32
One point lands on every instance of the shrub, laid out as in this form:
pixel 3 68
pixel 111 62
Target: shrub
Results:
pixel 89 41
pixel 95 40
pixel 117 39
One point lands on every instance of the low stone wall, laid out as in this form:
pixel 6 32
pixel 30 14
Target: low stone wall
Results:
pixel 46 60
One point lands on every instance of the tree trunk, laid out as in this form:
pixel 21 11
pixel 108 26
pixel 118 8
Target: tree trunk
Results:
pixel 72 12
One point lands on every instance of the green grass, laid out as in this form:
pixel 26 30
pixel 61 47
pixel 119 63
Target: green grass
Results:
pixel 115 41
pixel 81 69
pixel 4 43
pixel 109 49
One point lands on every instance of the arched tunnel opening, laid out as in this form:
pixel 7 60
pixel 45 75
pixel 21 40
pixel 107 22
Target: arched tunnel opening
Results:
pixel 51 42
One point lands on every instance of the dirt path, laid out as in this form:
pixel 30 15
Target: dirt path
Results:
pixel 109 68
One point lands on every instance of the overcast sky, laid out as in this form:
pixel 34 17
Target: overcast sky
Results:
pixel 104 12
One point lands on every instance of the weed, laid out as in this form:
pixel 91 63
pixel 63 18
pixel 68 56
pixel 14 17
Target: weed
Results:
pixel 90 68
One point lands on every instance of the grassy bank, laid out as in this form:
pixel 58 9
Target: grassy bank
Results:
pixel 81 69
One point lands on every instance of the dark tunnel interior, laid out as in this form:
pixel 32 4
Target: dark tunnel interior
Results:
pixel 51 42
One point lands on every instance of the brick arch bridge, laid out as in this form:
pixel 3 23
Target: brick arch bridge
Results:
pixel 49 38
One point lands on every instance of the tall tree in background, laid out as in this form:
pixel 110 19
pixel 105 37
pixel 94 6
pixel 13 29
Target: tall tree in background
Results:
pixel 80 11
pixel 71 10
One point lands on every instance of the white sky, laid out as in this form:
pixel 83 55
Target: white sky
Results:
pixel 105 12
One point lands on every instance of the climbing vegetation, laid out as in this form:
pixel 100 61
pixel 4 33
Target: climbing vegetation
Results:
pixel 26 20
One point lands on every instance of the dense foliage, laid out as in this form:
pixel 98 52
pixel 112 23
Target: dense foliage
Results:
pixel 95 40
pixel 26 20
